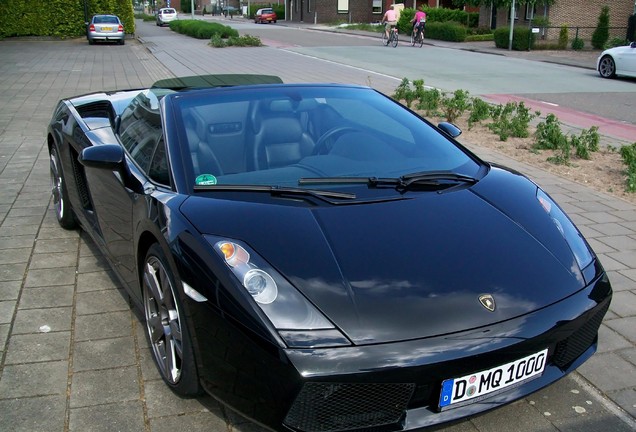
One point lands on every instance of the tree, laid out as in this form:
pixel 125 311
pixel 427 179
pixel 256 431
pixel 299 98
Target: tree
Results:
pixel 601 34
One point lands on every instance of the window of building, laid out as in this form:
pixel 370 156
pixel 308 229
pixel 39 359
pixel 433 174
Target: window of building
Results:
pixel 343 6
pixel 376 7
pixel 531 9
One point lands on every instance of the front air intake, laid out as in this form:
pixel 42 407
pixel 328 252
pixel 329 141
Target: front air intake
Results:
pixel 329 407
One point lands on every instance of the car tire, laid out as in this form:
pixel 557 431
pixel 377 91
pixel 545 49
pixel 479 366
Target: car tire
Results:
pixel 166 325
pixel 607 67
pixel 63 210
pixel 91 42
pixel 122 42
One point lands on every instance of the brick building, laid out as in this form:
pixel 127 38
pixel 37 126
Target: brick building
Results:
pixel 355 11
pixel 573 13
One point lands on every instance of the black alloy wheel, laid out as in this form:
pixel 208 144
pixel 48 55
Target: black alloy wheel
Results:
pixel 63 211
pixel 166 327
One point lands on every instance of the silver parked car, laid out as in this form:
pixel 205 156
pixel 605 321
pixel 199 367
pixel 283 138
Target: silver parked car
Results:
pixel 165 16
pixel 105 28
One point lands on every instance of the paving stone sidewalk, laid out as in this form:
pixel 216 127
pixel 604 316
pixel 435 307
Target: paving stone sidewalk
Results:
pixel 73 355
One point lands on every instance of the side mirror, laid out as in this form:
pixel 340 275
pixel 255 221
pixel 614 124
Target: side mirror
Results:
pixel 450 129
pixel 106 156
pixel 633 45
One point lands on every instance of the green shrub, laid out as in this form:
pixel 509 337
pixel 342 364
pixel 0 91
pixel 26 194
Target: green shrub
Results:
pixel 615 42
pixel 480 37
pixel 540 21
pixel 601 33
pixel 447 31
pixel 586 142
pixel 440 15
pixel 522 38
pixel 454 106
pixel 578 44
pixel 548 135
pixel 404 92
pixel 202 29
pixel 563 37
pixel 145 17
pixel 429 101
pixel 58 18
pixel 512 119
pixel 236 41
pixel 628 154
pixel 404 22
pixel 479 111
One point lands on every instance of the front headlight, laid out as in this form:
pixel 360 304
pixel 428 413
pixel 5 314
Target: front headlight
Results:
pixel 570 233
pixel 297 321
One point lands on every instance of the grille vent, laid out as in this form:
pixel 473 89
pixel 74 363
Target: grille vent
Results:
pixel 328 407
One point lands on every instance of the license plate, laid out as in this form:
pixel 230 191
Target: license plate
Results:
pixel 470 388
pixel 107 29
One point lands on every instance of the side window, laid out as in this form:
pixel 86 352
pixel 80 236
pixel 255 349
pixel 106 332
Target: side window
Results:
pixel 140 132
pixel 159 165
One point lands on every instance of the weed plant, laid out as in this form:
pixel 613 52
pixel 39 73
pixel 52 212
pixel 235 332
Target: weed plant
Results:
pixel 511 120
pixel 628 153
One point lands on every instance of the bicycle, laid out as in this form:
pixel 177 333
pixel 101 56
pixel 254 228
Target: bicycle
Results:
pixel 393 37
pixel 417 36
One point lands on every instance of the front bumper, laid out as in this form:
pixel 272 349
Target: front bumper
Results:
pixel 392 386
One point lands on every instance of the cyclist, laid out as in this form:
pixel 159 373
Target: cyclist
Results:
pixel 419 21
pixel 389 20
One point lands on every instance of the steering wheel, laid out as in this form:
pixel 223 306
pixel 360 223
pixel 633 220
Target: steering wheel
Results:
pixel 325 142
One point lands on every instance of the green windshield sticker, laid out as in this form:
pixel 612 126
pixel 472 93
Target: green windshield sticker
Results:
pixel 205 179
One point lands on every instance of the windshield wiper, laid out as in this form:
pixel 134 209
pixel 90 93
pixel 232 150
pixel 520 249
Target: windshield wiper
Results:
pixel 323 195
pixel 435 179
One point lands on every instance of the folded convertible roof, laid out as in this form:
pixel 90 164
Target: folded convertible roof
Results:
pixel 207 81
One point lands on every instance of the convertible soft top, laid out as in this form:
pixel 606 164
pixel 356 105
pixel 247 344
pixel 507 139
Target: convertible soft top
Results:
pixel 207 81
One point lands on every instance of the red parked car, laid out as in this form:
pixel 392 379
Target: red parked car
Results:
pixel 265 15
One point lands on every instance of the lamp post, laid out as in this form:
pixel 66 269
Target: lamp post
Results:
pixel 512 25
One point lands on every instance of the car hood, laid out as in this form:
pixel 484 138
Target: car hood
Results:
pixel 414 267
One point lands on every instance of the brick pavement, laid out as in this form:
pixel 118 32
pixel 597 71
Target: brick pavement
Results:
pixel 73 354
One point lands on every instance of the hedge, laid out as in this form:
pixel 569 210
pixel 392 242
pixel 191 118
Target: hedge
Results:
pixel 451 15
pixel 58 18
pixel 202 29
pixel 446 31
pixel 522 38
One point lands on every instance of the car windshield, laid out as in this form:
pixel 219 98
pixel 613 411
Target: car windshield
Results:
pixel 267 11
pixel 106 20
pixel 325 137
pixel 168 11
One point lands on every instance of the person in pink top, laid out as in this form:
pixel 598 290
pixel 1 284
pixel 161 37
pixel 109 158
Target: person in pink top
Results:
pixel 389 19
pixel 419 20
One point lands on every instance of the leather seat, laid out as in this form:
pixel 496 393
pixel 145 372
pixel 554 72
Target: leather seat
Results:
pixel 278 138
pixel 204 160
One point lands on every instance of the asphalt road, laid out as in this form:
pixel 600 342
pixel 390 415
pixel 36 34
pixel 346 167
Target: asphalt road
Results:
pixel 450 69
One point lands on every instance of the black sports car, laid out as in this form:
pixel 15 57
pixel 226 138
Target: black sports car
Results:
pixel 319 257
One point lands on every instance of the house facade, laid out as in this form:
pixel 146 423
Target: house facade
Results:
pixel 581 14
pixel 354 11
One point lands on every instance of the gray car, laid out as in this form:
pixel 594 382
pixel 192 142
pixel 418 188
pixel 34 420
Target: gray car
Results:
pixel 105 28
